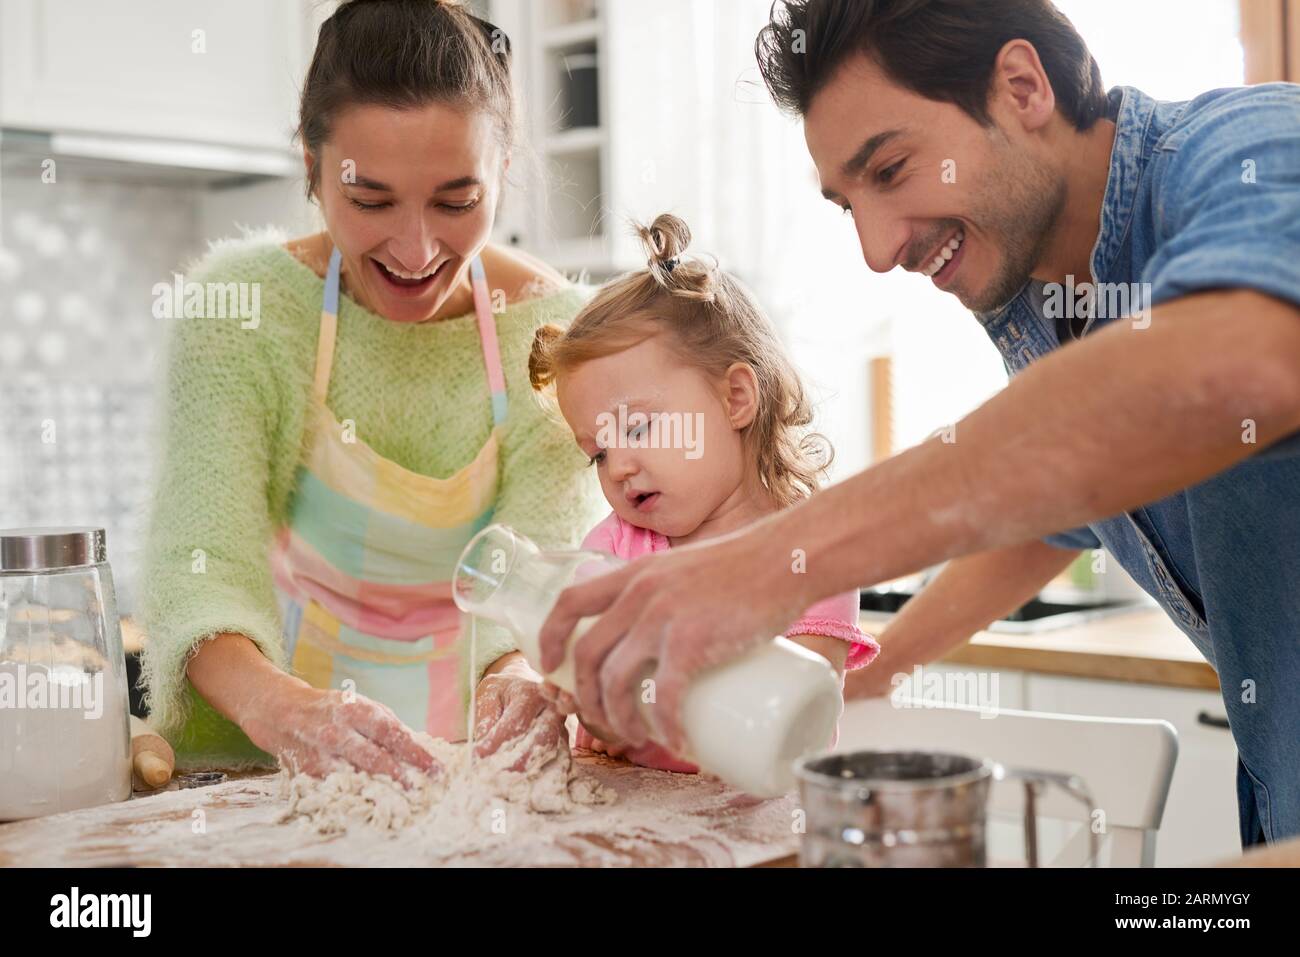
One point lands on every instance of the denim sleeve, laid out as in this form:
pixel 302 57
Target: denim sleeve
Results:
pixel 1075 538
pixel 1227 201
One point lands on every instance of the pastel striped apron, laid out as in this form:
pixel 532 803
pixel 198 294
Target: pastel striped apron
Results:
pixel 363 568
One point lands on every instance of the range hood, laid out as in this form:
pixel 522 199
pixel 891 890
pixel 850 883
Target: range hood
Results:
pixel 131 158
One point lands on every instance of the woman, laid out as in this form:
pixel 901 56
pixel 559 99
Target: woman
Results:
pixel 372 419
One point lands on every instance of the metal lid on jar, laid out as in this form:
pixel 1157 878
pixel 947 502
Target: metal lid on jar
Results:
pixel 50 549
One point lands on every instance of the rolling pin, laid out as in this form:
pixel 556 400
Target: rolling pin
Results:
pixel 152 758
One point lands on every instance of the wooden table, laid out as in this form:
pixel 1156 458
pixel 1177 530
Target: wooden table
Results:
pixel 660 819
pixel 1282 854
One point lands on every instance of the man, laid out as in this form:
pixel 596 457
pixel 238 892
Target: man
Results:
pixel 1159 416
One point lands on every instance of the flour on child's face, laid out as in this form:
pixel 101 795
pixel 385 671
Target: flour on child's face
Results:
pixel 699 462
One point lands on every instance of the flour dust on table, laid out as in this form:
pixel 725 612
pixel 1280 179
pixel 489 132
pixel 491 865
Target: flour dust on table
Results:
pixel 484 796
pixel 659 819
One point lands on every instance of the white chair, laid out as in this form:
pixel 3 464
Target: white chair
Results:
pixel 1131 793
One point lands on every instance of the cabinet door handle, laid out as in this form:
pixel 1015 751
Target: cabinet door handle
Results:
pixel 1212 721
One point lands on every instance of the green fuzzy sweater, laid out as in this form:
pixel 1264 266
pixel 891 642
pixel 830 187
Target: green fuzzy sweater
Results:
pixel 231 432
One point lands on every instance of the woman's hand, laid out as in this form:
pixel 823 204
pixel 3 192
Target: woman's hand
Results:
pixel 316 731
pixel 511 706
pixel 312 730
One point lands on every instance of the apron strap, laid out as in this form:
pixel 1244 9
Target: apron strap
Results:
pixel 329 324
pixel 487 331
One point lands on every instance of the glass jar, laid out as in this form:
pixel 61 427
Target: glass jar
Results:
pixel 65 737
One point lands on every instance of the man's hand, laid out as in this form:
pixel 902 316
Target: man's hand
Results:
pixel 664 619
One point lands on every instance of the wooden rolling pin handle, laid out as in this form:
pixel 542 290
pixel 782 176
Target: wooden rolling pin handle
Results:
pixel 152 758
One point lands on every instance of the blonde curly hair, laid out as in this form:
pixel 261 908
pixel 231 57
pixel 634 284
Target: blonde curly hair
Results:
pixel 712 322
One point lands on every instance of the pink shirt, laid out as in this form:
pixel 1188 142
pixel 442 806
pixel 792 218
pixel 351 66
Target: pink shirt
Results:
pixel 834 617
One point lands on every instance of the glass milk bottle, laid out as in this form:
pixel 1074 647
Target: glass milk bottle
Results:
pixel 746 721
pixel 65 739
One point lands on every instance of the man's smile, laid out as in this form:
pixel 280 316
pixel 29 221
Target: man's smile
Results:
pixel 944 255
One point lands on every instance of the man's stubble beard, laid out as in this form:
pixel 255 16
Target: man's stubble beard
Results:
pixel 1019 212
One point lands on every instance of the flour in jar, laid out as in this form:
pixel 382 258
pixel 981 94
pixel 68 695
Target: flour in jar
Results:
pixel 467 798
pixel 64 739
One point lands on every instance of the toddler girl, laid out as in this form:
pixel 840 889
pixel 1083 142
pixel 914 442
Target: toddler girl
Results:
pixel 680 392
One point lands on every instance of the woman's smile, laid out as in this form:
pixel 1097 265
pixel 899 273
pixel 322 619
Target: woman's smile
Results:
pixel 404 285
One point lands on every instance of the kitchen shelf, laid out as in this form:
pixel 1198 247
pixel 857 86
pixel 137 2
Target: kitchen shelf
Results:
pixel 571 34
pixel 582 139
pixel 599 175
pixel 589 253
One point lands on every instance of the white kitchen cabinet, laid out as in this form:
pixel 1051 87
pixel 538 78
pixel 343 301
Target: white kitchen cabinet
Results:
pixel 1200 819
pixel 189 70
pixel 963 685
pixel 646 152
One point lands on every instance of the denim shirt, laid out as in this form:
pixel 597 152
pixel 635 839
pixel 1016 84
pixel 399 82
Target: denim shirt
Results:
pixel 1204 195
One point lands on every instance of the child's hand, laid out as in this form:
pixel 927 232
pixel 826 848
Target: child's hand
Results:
pixel 509 708
pixel 565 703
pixel 561 700
pixel 585 739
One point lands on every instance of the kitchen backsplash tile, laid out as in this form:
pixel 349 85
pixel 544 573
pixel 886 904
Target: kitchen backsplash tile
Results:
pixel 79 350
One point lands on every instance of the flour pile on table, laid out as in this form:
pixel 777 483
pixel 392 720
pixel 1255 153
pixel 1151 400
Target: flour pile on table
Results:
pixel 467 796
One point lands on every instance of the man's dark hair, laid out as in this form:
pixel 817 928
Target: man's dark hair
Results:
pixel 942 49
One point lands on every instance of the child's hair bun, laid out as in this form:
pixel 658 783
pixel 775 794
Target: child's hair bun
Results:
pixel 541 361
pixel 665 241
pixel 666 238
